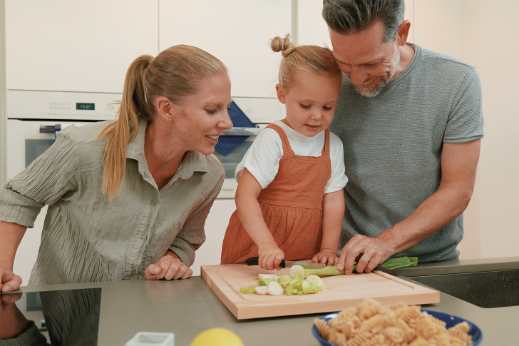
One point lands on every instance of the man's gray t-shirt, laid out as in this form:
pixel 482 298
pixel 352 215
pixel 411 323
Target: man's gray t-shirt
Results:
pixel 393 145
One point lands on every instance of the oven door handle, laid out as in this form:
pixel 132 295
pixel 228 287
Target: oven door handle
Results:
pixel 48 128
pixel 235 131
pixel 242 131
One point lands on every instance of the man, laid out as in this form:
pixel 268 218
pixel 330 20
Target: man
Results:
pixel 411 123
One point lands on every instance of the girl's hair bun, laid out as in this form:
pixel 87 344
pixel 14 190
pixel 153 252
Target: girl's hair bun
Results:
pixel 282 45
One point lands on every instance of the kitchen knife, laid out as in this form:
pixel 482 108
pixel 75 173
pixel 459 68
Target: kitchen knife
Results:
pixel 253 261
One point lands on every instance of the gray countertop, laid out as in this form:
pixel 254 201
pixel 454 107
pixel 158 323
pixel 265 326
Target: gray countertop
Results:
pixel 459 267
pixel 187 307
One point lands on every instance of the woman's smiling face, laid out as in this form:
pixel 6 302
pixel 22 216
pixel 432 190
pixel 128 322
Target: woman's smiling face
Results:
pixel 199 119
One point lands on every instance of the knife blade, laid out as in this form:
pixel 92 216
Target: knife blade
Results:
pixel 253 261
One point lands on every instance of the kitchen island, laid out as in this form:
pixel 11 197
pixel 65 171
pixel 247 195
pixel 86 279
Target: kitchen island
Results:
pixel 187 307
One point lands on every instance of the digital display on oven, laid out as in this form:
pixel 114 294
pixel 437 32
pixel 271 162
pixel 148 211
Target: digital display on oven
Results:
pixel 86 106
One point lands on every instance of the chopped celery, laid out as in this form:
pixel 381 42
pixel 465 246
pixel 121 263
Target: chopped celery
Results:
pixel 247 290
pixel 284 280
pixel 395 263
pixel 314 287
pixel 297 270
pixel 264 282
pixel 326 271
pixel 267 276
pixel 295 283
pixel 291 291
pixel 261 290
pixel 306 288
pixel 274 288
pixel 316 280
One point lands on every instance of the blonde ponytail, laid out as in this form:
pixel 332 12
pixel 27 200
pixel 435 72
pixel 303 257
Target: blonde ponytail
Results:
pixel 174 73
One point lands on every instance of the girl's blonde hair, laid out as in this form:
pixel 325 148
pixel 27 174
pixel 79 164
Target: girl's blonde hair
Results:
pixel 310 58
pixel 175 73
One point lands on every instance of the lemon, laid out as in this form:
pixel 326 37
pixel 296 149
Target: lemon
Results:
pixel 217 337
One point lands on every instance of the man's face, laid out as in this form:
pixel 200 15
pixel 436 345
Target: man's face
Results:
pixel 366 59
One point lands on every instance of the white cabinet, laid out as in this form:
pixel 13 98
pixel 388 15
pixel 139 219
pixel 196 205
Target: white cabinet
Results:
pixel 235 31
pixel 215 225
pixel 80 45
pixel 312 29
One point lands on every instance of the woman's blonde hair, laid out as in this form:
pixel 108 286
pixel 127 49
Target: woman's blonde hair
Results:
pixel 175 73
pixel 310 58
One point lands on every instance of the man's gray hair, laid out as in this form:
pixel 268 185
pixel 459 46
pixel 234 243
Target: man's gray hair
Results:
pixel 352 16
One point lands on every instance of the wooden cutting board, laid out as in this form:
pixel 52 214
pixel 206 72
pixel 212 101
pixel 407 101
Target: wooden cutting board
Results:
pixel 341 291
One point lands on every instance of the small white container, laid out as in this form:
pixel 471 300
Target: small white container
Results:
pixel 152 339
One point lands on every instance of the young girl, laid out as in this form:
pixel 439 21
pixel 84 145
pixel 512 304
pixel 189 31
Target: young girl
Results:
pixel 290 203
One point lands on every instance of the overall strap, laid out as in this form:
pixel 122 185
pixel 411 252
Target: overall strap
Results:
pixel 326 146
pixel 284 139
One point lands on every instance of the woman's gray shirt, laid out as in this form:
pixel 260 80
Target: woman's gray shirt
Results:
pixel 393 144
pixel 85 237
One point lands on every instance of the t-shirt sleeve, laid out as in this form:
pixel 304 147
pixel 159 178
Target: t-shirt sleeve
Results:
pixel 338 178
pixel 262 158
pixel 465 122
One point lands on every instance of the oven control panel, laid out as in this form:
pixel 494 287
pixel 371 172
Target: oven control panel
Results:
pixel 22 104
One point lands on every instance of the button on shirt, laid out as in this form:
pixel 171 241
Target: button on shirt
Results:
pixel 85 237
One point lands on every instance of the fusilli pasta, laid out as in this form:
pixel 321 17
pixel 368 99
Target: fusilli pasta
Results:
pixel 402 325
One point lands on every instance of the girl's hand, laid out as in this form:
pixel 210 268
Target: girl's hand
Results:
pixel 326 256
pixel 270 256
pixel 169 267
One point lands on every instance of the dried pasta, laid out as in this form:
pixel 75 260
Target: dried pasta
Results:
pixel 402 325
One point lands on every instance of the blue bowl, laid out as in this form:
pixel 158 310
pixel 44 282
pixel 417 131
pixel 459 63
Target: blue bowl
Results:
pixel 450 321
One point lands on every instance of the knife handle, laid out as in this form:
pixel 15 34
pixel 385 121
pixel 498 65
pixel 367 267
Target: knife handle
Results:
pixel 253 261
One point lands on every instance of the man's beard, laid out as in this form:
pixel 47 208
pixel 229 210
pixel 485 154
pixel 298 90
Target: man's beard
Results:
pixel 376 90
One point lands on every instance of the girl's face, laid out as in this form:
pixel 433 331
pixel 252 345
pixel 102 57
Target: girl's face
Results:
pixel 310 101
pixel 200 118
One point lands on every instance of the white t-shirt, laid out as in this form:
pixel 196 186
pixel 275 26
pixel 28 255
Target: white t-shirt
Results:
pixel 262 158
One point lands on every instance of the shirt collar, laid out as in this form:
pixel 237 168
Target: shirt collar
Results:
pixel 193 161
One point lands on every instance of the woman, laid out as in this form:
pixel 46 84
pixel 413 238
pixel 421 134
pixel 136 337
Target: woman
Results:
pixel 127 199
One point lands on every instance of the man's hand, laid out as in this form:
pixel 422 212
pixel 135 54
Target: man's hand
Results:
pixel 270 256
pixel 169 267
pixel 9 281
pixel 327 257
pixel 370 252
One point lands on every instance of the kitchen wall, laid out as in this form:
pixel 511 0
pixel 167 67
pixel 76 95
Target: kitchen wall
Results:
pixel 484 33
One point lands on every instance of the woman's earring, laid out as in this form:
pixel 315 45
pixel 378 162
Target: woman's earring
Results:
pixel 169 119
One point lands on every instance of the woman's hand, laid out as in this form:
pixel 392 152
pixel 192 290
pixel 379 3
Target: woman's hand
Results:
pixel 169 267
pixel 270 256
pixel 9 281
pixel 325 256
pixel 13 321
